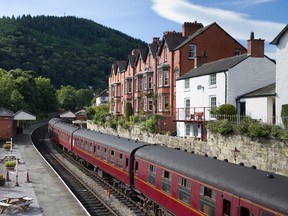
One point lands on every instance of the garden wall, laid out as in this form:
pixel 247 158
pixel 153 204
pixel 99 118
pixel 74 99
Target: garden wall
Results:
pixel 269 155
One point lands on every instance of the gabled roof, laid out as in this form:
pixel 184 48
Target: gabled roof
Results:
pixel 153 49
pixel 215 67
pixel 143 54
pixel 265 91
pixel 172 41
pixel 104 93
pixel 5 112
pixel 122 65
pixel 131 60
pixel 278 37
pixel 23 115
pixel 67 114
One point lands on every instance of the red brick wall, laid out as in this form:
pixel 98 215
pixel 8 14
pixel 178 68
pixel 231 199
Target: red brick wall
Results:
pixel 6 127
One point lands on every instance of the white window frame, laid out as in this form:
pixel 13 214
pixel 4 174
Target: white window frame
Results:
pixel 150 82
pixel 192 51
pixel 212 80
pixel 211 101
pixel 160 79
pixel 160 103
pixel 150 104
pixel 166 102
pixel 186 83
pixel 166 78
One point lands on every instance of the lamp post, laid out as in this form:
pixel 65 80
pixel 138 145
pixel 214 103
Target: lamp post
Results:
pixel 235 153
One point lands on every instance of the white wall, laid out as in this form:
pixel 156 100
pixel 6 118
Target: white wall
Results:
pixel 281 76
pixel 249 75
pixel 260 108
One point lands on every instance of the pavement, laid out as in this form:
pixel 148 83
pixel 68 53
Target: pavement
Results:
pixel 36 179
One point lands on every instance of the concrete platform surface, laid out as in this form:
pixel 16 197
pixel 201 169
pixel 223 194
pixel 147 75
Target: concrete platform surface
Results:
pixel 50 196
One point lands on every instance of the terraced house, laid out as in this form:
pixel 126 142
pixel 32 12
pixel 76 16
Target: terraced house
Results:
pixel 147 79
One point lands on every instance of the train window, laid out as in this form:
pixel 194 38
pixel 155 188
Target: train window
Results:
pixel 98 151
pixel 126 163
pixel 151 174
pixel 166 181
pixel 94 149
pixel 226 207
pixel 244 211
pixel 120 161
pixel 207 200
pixel 105 154
pixel 136 167
pixel 91 147
pixel 184 189
pixel 264 213
pixel 112 157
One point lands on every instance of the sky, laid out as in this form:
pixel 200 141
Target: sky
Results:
pixel 145 19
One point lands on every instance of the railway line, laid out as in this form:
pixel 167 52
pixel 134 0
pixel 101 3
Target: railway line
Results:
pixel 85 192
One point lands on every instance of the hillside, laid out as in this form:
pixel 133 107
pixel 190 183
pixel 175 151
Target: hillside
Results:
pixel 68 50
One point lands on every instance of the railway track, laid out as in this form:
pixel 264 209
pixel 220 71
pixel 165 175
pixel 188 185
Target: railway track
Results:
pixel 91 201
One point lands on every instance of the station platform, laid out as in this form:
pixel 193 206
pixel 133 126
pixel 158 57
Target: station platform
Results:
pixel 37 180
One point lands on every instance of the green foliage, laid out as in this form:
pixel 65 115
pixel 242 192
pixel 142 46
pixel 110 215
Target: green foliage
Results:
pixel 227 109
pixel 284 115
pixel 68 50
pixel 259 130
pixel 67 97
pixel 90 111
pixel 101 114
pixel 243 126
pixel 10 163
pixel 222 127
pixel 149 124
pixel 128 110
pixel 84 97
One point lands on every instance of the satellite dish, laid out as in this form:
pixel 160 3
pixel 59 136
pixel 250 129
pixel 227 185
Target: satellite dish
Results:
pixel 199 87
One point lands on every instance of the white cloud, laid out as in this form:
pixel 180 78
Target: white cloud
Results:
pixel 249 3
pixel 238 25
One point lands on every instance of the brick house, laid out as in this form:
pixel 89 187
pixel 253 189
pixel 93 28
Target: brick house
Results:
pixel 155 69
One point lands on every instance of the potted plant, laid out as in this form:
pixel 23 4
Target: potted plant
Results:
pixel 10 164
pixel 2 180
pixel 6 146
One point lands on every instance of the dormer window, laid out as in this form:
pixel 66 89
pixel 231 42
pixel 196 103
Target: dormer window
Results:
pixel 237 52
pixel 165 53
pixel 192 51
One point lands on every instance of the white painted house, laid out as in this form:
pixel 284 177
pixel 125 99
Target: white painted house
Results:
pixel 281 42
pixel 225 81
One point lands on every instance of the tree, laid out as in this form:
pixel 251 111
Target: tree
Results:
pixel 67 97
pixel 84 97
pixel 47 93
pixel 17 101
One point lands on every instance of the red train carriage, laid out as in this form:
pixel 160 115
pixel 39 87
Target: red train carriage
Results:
pixel 107 153
pixel 62 133
pixel 180 183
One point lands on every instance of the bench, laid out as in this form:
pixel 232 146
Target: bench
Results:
pixel 4 206
pixel 24 205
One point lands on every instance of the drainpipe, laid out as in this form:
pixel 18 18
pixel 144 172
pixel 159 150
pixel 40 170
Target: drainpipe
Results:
pixel 225 86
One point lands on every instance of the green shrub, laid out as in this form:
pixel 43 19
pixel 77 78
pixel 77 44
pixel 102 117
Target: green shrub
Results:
pixel 6 146
pixel 128 110
pixel 212 126
pixel 259 130
pixel 243 126
pixel 227 109
pixel 275 131
pixel 284 115
pixel 225 127
pixel 10 163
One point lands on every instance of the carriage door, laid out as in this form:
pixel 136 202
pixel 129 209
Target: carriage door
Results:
pixel 244 208
pixel 228 206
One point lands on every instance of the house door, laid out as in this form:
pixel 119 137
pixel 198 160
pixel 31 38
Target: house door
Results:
pixel 242 108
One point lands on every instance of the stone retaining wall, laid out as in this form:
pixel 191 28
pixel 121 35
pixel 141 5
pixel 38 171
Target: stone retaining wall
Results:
pixel 269 155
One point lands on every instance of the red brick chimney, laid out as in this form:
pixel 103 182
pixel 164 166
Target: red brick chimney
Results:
pixel 255 46
pixel 155 40
pixel 188 28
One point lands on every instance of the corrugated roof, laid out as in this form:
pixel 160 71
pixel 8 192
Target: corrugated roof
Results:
pixel 215 67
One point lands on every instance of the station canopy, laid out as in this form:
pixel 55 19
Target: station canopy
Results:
pixel 23 115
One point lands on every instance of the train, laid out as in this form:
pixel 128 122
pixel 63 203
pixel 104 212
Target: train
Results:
pixel 168 181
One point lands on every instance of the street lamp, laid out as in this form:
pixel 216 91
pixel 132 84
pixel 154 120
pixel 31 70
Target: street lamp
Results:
pixel 235 153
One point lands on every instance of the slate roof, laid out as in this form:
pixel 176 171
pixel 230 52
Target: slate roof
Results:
pixel 278 37
pixel 261 92
pixel 194 35
pixel 153 48
pixel 131 60
pixel 5 112
pixel 215 67
pixel 122 65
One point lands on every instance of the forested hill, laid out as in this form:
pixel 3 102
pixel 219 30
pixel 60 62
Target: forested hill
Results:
pixel 68 50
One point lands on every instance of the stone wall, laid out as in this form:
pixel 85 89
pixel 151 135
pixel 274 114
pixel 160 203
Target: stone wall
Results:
pixel 268 155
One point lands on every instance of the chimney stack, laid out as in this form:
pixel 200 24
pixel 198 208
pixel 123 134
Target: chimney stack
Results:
pixel 255 47
pixel 188 28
